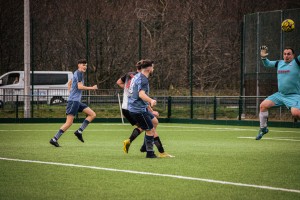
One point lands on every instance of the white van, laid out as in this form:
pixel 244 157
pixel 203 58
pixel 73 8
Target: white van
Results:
pixel 49 86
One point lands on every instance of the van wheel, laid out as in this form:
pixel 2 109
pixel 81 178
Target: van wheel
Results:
pixel 1 104
pixel 56 100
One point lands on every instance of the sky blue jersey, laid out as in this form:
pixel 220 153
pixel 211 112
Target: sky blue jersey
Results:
pixel 75 93
pixel 288 75
pixel 135 103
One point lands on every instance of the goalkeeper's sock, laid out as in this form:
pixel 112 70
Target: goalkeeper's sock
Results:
pixel 263 119
pixel 159 145
pixel 136 132
pixel 58 134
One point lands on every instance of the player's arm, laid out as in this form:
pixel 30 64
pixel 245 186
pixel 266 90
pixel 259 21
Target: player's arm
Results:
pixel 82 87
pixel 120 83
pixel 155 113
pixel 145 97
pixel 69 84
pixel 263 54
pixel 268 63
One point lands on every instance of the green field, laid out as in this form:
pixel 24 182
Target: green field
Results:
pixel 211 162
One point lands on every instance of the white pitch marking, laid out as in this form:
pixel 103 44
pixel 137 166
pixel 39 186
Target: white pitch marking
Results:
pixel 265 138
pixel 191 129
pixel 156 174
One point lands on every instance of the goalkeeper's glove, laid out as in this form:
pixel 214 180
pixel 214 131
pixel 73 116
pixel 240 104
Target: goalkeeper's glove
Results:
pixel 263 52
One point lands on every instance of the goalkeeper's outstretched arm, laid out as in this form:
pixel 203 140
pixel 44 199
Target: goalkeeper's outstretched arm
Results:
pixel 263 54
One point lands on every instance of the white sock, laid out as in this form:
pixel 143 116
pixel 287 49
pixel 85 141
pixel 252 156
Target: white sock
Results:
pixel 263 118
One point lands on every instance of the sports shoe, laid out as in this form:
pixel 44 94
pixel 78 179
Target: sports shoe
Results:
pixel 54 143
pixel 143 149
pixel 261 133
pixel 126 145
pixel 165 155
pixel 79 136
pixel 151 155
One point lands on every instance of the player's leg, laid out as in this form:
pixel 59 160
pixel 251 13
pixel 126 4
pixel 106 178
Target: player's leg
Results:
pixel 71 111
pixel 264 113
pixel 263 117
pixel 292 101
pixel 145 122
pixel 149 140
pixel 91 115
pixel 155 124
pixel 62 129
pixel 158 143
pixel 135 133
pixel 295 113
pixel 276 99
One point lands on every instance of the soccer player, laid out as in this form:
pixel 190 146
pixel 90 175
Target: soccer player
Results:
pixel 74 105
pixel 124 82
pixel 138 101
pixel 288 75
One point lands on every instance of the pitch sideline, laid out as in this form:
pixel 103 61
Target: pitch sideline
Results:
pixel 266 138
pixel 155 174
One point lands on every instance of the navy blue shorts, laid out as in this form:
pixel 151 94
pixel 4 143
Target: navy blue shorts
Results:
pixel 127 115
pixel 144 120
pixel 73 107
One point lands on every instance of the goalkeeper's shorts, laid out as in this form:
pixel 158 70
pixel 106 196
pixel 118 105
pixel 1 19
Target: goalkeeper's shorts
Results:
pixel 289 100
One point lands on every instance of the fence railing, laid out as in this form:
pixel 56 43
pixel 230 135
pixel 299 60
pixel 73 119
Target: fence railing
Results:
pixel 172 107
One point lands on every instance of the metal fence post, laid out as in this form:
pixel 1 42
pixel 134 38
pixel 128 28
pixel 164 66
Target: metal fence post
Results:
pixel 87 31
pixel 17 108
pixel 140 40
pixel 191 39
pixel 240 107
pixel 169 107
pixel 215 108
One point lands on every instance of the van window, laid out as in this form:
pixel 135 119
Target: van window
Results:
pixel 49 79
pixel 10 79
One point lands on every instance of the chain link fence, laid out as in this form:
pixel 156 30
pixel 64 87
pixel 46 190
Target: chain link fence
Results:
pixel 107 105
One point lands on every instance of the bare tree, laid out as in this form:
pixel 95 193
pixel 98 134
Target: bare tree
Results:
pixel 11 35
pixel 107 33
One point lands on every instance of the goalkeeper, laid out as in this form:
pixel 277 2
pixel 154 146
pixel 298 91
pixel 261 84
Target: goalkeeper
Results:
pixel 288 76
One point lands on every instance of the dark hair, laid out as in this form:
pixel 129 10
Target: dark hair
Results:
pixel 81 61
pixel 290 49
pixel 144 64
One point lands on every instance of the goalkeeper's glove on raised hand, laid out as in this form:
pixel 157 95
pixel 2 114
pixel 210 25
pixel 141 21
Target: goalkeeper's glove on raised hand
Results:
pixel 263 52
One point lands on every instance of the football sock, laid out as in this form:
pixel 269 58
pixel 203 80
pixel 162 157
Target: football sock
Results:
pixel 83 125
pixel 58 134
pixel 159 145
pixel 263 119
pixel 136 132
pixel 144 144
pixel 149 143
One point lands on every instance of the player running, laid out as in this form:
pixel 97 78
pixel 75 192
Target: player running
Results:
pixel 74 104
pixel 288 76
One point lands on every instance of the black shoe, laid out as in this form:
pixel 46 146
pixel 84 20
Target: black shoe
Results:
pixel 143 149
pixel 151 155
pixel 54 143
pixel 79 136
